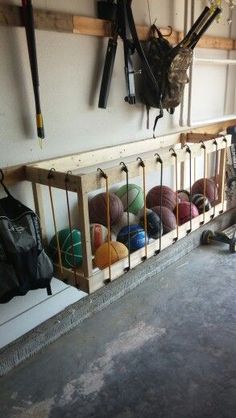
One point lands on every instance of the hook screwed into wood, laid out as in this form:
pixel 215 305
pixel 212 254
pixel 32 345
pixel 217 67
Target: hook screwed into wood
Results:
pixel 102 173
pixel 173 152
pixel 124 167
pixel 50 173
pixel 67 176
pixel 203 146
pixel 158 159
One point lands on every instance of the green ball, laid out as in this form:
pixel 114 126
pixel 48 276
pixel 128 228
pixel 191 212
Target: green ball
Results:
pixel 135 198
pixel 70 248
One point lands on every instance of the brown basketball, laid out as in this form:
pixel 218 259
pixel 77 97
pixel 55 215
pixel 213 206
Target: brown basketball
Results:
pixel 154 197
pixel 211 189
pixel 167 217
pixel 98 209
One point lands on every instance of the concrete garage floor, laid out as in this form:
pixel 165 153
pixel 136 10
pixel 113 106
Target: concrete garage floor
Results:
pixel 166 349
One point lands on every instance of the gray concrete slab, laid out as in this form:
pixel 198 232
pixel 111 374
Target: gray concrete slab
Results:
pixel 47 332
pixel 166 349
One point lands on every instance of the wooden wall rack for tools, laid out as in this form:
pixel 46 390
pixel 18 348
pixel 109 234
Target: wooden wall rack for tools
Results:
pixel 68 23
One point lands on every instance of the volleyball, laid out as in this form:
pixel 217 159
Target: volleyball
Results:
pixel 135 197
pixel 124 222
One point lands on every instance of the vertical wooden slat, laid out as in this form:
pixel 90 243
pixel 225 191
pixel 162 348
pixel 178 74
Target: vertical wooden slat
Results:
pixel 84 226
pixel 39 209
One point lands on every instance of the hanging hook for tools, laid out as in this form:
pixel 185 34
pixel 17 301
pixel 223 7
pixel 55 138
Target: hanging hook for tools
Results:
pixel 203 146
pixel 188 150
pixel 176 194
pixel 125 169
pixel 142 164
pixel 215 180
pixel 159 160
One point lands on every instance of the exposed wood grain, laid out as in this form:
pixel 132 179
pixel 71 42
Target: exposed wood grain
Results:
pixel 64 22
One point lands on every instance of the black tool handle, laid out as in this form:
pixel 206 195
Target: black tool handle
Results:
pixel 28 18
pixel 107 72
pixel 196 26
pixel 205 27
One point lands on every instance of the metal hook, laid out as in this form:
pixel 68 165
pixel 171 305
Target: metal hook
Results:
pixel 187 148
pixel 67 176
pixel 159 160
pixel 173 152
pixel 102 173
pixel 141 161
pixel 124 167
pixel 203 146
pixel 50 175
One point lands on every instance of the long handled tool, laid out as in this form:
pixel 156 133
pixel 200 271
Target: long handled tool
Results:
pixel 30 35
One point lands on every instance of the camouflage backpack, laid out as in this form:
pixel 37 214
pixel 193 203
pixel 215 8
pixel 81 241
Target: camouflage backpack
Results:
pixel 169 66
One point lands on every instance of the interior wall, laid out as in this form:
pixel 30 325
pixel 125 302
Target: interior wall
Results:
pixel 70 68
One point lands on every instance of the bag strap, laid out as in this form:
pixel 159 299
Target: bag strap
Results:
pixel 139 48
pixel 3 185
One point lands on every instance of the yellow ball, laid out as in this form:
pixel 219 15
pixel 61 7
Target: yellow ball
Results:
pixel 118 251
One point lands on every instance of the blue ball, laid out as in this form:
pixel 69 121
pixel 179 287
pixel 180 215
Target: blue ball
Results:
pixel 134 233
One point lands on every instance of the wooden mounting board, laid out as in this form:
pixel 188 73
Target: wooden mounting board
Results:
pixel 92 180
pixel 68 23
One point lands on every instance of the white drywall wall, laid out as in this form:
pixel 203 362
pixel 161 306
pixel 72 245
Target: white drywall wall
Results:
pixel 70 68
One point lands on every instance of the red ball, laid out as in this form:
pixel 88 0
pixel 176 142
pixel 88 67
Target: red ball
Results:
pixel 167 217
pixel 153 197
pixel 211 189
pixel 186 211
pixel 98 209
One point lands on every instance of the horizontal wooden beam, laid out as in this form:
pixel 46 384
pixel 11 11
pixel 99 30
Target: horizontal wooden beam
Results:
pixel 13 175
pixel 68 23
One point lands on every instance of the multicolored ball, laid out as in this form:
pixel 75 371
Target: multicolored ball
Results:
pixel 201 202
pixel 132 236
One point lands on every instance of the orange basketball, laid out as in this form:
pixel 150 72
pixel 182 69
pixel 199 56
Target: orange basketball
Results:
pixel 118 251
